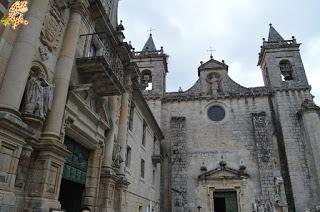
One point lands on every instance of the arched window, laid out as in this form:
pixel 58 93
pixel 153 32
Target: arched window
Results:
pixel 286 70
pixel 146 79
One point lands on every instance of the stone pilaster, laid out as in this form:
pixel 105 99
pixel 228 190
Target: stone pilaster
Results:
pixel 44 177
pixel 90 197
pixel 63 71
pixel 19 64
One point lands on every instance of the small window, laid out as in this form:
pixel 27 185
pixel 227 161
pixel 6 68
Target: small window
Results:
pixel 142 168
pixel 144 128
pixel 128 156
pixel 146 79
pixel 286 70
pixel 131 115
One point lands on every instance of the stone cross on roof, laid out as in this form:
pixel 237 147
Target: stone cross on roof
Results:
pixel 211 50
pixel 150 30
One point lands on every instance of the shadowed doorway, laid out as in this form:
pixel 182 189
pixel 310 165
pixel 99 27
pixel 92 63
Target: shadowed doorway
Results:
pixel 225 201
pixel 74 176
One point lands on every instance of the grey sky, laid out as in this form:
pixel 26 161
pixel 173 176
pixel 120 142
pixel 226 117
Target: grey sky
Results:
pixel 234 28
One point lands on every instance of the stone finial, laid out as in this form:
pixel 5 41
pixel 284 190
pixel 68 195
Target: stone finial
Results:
pixel 223 163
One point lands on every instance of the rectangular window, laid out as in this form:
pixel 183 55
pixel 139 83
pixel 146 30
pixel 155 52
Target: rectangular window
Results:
pixel 142 167
pixel 131 115
pixel 128 156
pixel 144 128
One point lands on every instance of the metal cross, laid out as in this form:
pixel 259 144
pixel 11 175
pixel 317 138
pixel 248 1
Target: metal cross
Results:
pixel 211 50
pixel 150 30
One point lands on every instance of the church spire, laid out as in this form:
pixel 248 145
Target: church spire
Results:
pixel 149 46
pixel 274 36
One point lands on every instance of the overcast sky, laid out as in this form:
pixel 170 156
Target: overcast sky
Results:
pixel 234 28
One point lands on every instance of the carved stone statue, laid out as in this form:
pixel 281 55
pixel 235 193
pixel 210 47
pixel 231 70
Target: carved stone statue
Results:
pixel 116 156
pixel 214 80
pixel 38 96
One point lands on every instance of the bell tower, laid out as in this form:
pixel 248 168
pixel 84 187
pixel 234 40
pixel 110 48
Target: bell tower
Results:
pixel 281 62
pixel 153 67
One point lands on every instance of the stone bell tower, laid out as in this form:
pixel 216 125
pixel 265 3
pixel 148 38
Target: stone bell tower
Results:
pixel 153 67
pixel 281 62
pixel 295 117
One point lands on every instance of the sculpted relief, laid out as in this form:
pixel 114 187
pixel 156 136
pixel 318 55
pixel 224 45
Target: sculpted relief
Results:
pixel 51 32
pixel 38 95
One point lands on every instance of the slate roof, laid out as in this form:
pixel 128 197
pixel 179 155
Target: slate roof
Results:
pixel 149 46
pixel 274 36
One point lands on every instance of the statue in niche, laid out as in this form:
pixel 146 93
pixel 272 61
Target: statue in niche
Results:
pixel 116 156
pixel 38 96
pixel 214 80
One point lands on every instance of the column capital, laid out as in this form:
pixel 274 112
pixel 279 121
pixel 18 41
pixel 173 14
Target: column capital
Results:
pixel 80 6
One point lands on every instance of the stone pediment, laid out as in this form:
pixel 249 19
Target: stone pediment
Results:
pixel 224 172
pixel 213 65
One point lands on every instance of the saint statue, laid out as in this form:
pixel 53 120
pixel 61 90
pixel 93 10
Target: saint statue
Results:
pixel 38 96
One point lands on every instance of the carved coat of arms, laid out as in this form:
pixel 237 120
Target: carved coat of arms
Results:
pixel 52 28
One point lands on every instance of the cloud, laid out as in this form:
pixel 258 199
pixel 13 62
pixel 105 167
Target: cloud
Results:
pixel 187 28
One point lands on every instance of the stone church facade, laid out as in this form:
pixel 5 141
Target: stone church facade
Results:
pixel 233 148
pixel 85 120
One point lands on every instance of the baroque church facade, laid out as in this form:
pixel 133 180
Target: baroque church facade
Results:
pixel 85 120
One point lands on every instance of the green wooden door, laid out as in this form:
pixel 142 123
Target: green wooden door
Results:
pixel 75 167
pixel 231 204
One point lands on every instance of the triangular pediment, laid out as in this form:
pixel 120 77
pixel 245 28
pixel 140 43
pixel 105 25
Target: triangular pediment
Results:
pixel 224 172
pixel 213 65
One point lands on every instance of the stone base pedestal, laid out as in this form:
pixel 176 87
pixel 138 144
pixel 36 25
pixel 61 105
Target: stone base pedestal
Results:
pixel 40 204
pixel 7 201
pixel 107 193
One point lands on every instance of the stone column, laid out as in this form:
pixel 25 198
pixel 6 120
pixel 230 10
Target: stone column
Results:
pixel 108 176
pixel 112 101
pixel 311 124
pixel 123 128
pixel 63 72
pixel 19 64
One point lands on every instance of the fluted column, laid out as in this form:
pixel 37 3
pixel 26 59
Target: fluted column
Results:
pixel 63 71
pixel 123 128
pixel 19 64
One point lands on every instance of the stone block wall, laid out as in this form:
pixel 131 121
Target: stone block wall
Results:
pixel 179 163
pixel 298 173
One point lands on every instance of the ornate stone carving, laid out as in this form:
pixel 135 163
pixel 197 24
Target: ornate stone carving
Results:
pixel 116 156
pixel 23 166
pixel 214 80
pixel 52 28
pixel 38 96
pixel 43 51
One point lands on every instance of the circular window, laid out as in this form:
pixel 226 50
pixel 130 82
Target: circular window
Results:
pixel 216 113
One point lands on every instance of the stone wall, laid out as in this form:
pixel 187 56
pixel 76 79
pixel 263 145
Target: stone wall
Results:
pixel 205 142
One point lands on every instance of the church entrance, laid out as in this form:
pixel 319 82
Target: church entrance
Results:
pixel 74 176
pixel 225 202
